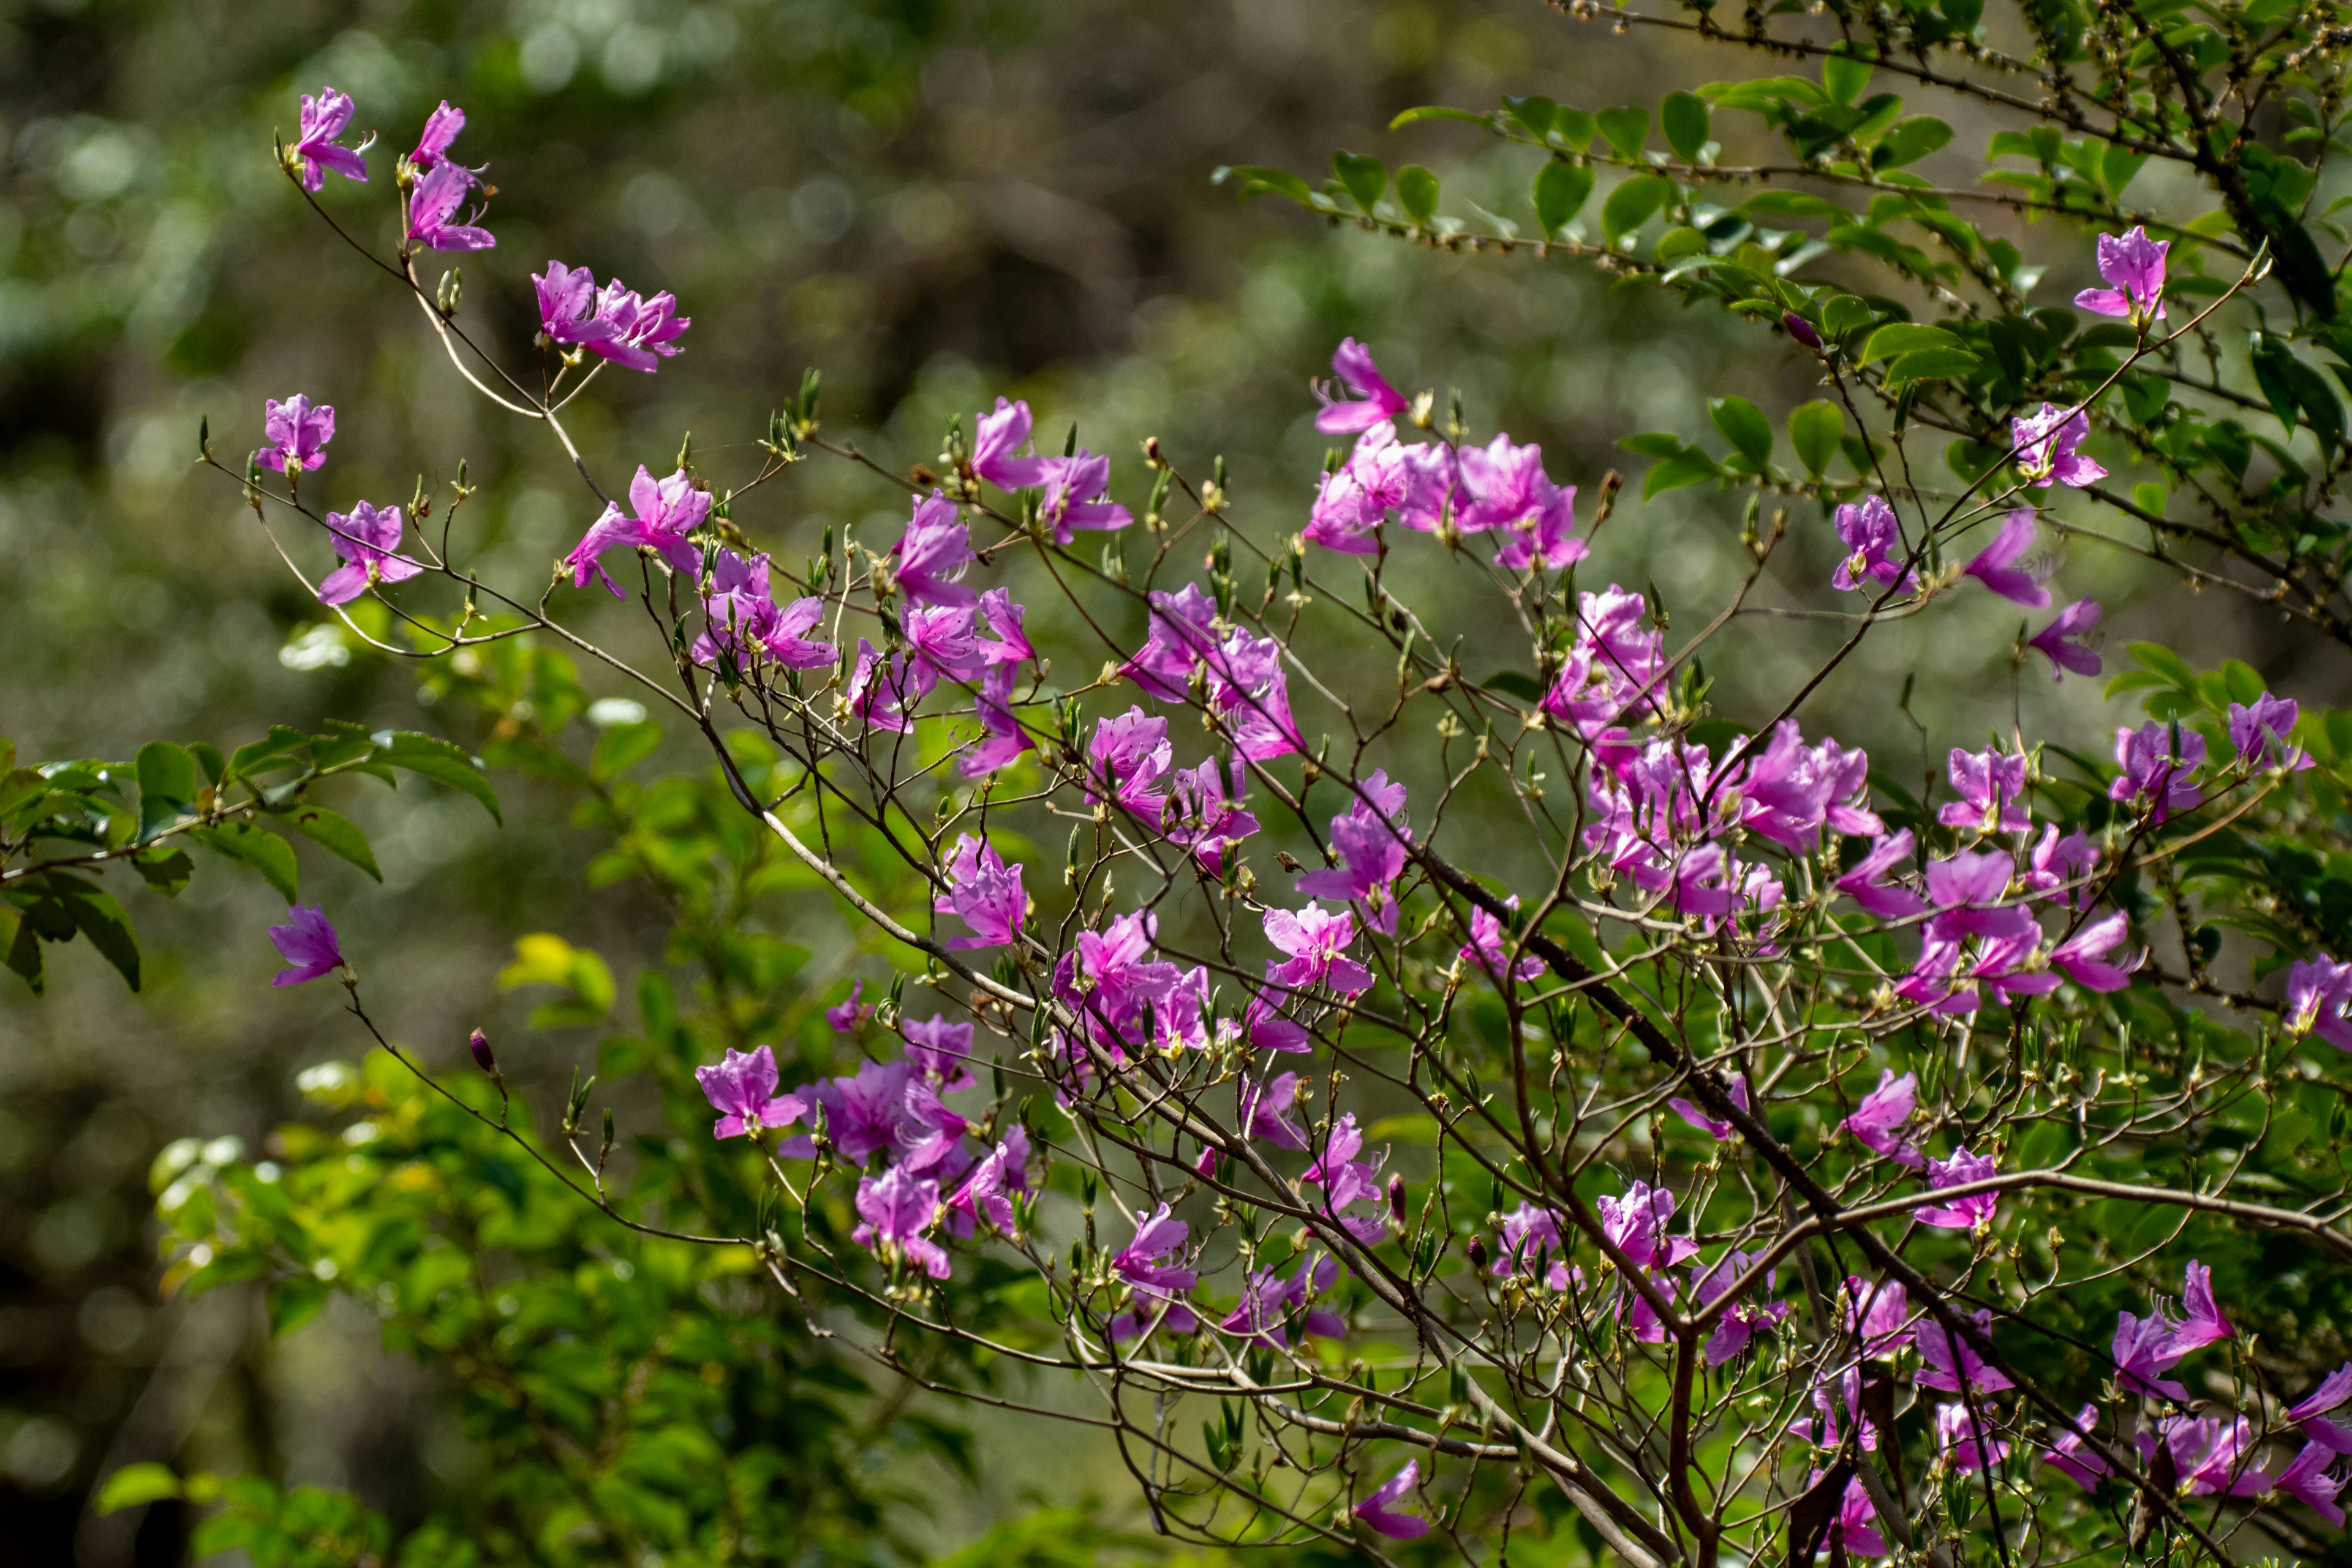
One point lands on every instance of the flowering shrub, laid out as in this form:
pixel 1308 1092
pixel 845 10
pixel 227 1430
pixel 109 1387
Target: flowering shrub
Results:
pixel 1745 1152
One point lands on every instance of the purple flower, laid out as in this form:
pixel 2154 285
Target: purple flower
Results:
pixel 2046 445
pixel 1356 498
pixel 1963 1213
pixel 1853 1528
pixel 1866 884
pixel 2316 994
pixel 1264 1110
pixel 1996 568
pixel 1127 757
pixel 1346 1181
pixel 2311 1414
pixel 940 1051
pixel 1378 1510
pixel 851 1015
pixel 638 334
pixel 1738 1325
pixel 307 943
pixel 1992 788
pixel 1140 1262
pixel 1634 1223
pixel 1530 1242
pixel 298 434
pixel 742 1089
pixel 2083 956
pixel 1877 1122
pixel 2261 734
pixel 1949 1361
pixel 2307 1481
pixel 2069 1455
pixel 2064 642
pixel 2134 264
pixel 1697 1117
pixel 985 893
pixel 1879 1316
pixel 1011 643
pixel 1873 540
pixel 666 511
pixel 939 646
pixel 2158 763
pixel 1372 856
pixel 1544 534
pixel 742 617
pixel 1180 634
pixel 2215 1457
pixel 932 553
pixel 2057 861
pixel 434 202
pixel 441 128
pixel 1207 817
pixel 992 706
pixel 1073 495
pixel 987 1192
pixel 1963 1443
pixel 365 538
pixel 996 437
pixel 1352 367
pixel 897 1209
pixel 876 690
pixel 567 305
pixel 1316 941
pixel 324 119
pixel 1486 944
pixel 1800 329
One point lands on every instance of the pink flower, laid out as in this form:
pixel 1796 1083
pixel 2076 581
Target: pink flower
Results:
pixel 1963 1213
pixel 1634 1222
pixel 1963 1443
pixel 365 538
pixel 1992 786
pixel 1877 1124
pixel 666 511
pixel 324 119
pixel 434 202
pixel 899 1209
pixel 932 553
pixel 985 893
pixel 2045 449
pixel 307 943
pixel 2064 641
pixel 996 436
pixel 1874 540
pixel 1265 1110
pixel 1531 1241
pixel 1879 1315
pixel 851 1015
pixel 2307 1481
pixel 1378 1510
pixel 1699 1118
pixel 1853 1528
pixel 441 128
pixel 1996 566
pixel 987 1192
pixel 567 305
pixel 635 333
pixel 1352 367
pixel 1206 816
pixel 1140 1262
pixel 1006 739
pixel 2158 764
pixel 1372 857
pixel 1353 500
pixel 1004 618
pixel 2134 265
pixel 1127 758
pixel 1949 1362
pixel 298 434
pixel 1073 495
pixel 2083 956
pixel 2261 735
pixel 1487 945
pixel 1316 941
pixel 2070 1456
pixel 2311 1414
pixel 940 1051
pixel 742 1089
pixel 2317 992
pixel 1866 884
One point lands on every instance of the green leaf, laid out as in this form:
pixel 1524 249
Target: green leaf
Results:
pixel 294 1302
pixel 1844 76
pixel 102 920
pixel 166 870
pixel 1689 466
pixel 135 1486
pixel 622 747
pixel 24 949
pixel 1625 128
pixel 1903 338
pixel 1257 180
pixel 1365 179
pixel 1683 118
pixel 1575 127
pixel 1416 190
pixel 1933 365
pixel 276 744
pixel 1537 115
pixel 1436 111
pixel 336 833
pixel 1909 141
pixel 1630 204
pixel 2164 662
pixel 1513 683
pixel 441 762
pixel 1813 431
pixel 1561 189
pixel 167 786
pixel 1744 425
pixel 257 847
pixel 1791 204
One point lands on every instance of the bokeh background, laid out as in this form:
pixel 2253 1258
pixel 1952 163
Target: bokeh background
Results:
pixel 933 203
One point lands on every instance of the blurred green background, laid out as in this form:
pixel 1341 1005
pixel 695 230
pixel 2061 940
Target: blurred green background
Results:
pixel 934 203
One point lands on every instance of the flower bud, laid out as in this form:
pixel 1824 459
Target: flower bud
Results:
pixel 1476 1251
pixel 480 1045
pixel 1800 329
pixel 1396 1200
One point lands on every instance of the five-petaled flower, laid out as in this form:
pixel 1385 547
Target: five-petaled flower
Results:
pixel 365 538
pixel 2064 641
pixel 324 120
pixel 2045 442
pixel 742 1089
pixel 1874 540
pixel 298 434
pixel 432 206
pixel 1378 1510
pixel 308 943
pixel 666 511
pixel 2132 264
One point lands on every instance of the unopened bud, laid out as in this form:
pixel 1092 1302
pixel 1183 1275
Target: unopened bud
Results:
pixel 1396 1198
pixel 480 1045
pixel 1476 1251
pixel 1800 329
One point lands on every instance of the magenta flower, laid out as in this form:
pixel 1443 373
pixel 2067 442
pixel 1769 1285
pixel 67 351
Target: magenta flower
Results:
pixel 1346 1181
pixel 1963 1443
pixel 2307 1481
pixel 1316 941
pixel 1354 500
pixel 2083 956
pixel 985 893
pixel 939 646
pixel 988 1193
pixel 434 202
pixel 2134 265
pixel 308 943
pixel 1634 1223
pixel 2262 734
pixel 1251 698
pixel 1206 816
pixel 1372 857
pixel 1006 739
pixel 1487 945
pixel 1996 566
pixel 1545 534
pixel 2318 993
pixel 1697 1117
pixel 1949 1361
pixel 1498 482
pixel 1992 791
pixel 1264 1110
pixel 2064 641
pixel 298 434
pixel 2071 1458
pixel 876 692
pixel 850 1015
pixel 638 334
pixel 2159 762
pixel 1073 495
pixel 1874 542
pixel 1142 1263
pixel 1127 757
pixel 441 128
pixel 932 553
pixel 1531 1244
pixel 1379 1510
pixel 567 305
pixel 365 538
pixel 899 1209
pixel 1738 1325
pixel 742 1089
pixel 2311 1414
pixel 1963 1213
pixel 2057 861
pixel 1866 884
pixel 2215 1457
pixel 1181 633
pixel 996 439
pixel 1352 367
pixel 2046 445
pixel 1877 1122
pixel 1011 643
pixel 1879 1316
pixel 739 613
pixel 666 511
pixel 940 1051
pixel 324 119
pixel 1853 1528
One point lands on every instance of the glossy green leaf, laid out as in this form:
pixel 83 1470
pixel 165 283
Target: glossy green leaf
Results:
pixel 336 833
pixel 1632 204
pixel 168 784
pixel 1536 115
pixel 1684 119
pixel 107 929
pixel 135 1486
pixel 1365 179
pixel 1933 364
pixel 437 760
pixel 1813 432
pixel 1843 76
pixel 1416 190
pixel 1908 141
pixel 1744 425
pixel 246 759
pixel 1903 338
pixel 1257 180
pixel 1436 111
pixel 257 847
pixel 1562 191
pixel 1625 128
pixel 622 747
